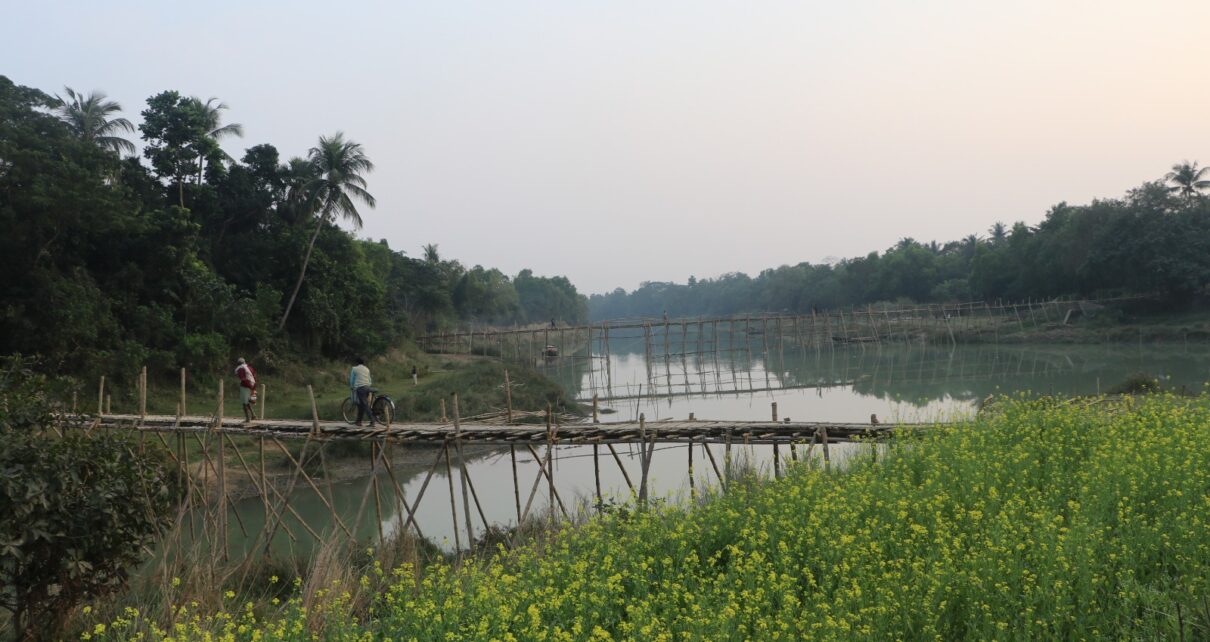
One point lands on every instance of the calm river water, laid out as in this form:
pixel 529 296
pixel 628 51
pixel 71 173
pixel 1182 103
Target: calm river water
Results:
pixel 845 383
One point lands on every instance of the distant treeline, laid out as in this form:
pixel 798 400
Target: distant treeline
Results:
pixel 186 256
pixel 1156 240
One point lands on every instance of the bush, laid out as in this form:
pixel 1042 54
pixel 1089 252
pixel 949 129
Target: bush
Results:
pixel 78 509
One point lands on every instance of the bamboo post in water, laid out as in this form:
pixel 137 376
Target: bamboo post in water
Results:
pixel 449 475
pixel 466 504
pixel 512 453
pixel 222 475
pixel 508 397
pixel 596 417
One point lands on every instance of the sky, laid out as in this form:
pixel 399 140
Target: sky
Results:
pixel 621 142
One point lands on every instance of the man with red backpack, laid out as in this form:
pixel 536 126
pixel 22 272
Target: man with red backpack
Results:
pixel 247 387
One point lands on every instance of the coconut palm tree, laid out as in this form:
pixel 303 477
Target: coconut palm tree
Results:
pixel 89 117
pixel 1188 179
pixel 430 254
pixel 339 165
pixel 295 203
pixel 215 130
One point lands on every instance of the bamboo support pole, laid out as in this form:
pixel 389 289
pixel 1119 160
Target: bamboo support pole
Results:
pixel 692 489
pixel 710 455
pixel 315 411
pixel 101 397
pixel 184 407
pixel 550 477
pixel 401 496
pixel 222 475
pixel 512 454
pixel 625 475
pixel 642 459
pixel 596 474
pixel 143 393
pixel 263 397
pixel 464 477
pixel 543 471
pixel 301 470
pixel 453 504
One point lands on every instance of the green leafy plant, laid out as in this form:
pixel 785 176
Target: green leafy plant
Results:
pixel 78 509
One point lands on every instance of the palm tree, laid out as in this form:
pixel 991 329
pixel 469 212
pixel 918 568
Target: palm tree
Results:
pixel 1189 179
pixel 430 254
pixel 89 118
pixel 215 130
pixel 339 165
pixel 998 233
pixel 295 205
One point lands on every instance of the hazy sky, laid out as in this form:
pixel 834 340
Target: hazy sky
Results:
pixel 618 142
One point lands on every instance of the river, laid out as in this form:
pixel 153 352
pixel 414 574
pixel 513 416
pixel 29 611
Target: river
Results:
pixel 843 383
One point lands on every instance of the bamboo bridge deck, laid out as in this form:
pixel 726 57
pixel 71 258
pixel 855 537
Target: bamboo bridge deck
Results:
pixel 618 432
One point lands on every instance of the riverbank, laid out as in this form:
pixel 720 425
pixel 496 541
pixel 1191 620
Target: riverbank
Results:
pixel 1033 521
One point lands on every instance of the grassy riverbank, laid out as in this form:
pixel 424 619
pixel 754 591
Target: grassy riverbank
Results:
pixel 479 382
pixel 1039 520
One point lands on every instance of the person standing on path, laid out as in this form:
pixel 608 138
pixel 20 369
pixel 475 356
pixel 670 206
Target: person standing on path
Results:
pixel 247 387
pixel 415 376
pixel 359 385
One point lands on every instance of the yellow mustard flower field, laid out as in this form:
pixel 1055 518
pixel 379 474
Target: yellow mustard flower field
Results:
pixel 1040 520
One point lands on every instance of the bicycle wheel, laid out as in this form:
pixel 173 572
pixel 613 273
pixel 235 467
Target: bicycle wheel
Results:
pixel 384 410
pixel 348 410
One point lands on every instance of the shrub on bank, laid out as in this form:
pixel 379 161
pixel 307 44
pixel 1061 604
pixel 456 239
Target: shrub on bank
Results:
pixel 1044 520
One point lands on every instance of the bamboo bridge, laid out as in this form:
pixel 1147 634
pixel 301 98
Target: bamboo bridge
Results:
pixel 206 450
pixel 945 323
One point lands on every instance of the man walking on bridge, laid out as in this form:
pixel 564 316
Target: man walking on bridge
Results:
pixel 359 385
pixel 247 387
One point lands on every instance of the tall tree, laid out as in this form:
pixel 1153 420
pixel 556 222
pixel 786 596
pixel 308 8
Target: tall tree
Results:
pixel 1188 179
pixel 339 165
pixel 211 112
pixel 176 131
pixel 89 117
pixel 431 255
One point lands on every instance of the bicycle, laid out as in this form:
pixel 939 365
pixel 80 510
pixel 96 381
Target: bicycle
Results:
pixel 381 406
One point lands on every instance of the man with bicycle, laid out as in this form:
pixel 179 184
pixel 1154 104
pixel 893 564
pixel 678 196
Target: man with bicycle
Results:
pixel 359 385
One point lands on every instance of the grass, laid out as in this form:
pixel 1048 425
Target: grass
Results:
pixel 1041 519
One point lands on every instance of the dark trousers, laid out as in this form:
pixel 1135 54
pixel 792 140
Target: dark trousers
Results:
pixel 363 404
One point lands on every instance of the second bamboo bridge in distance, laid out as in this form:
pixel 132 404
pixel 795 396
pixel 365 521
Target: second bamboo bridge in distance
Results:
pixel 928 323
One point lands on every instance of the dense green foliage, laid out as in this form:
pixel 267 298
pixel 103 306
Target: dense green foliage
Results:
pixel 78 509
pixel 1155 240
pixel 1040 520
pixel 107 262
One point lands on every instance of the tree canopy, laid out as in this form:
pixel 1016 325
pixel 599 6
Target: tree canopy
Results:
pixel 1154 240
pixel 185 256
